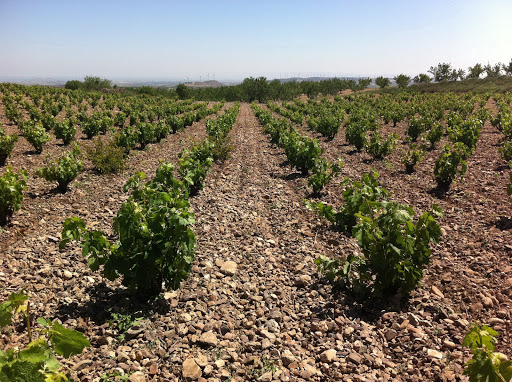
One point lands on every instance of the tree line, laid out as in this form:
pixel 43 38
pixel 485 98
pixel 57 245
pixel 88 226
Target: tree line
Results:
pixel 446 72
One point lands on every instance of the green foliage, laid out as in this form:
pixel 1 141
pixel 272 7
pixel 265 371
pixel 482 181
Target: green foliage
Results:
pixel 91 127
pixel 161 130
pixel 379 148
pixel 422 78
pixel 65 131
pixel 505 150
pixel 119 119
pixel 127 138
pixel 48 121
pixel 11 193
pixel 450 165
pixel 467 132
pixel 402 80
pixel 395 248
pixel 146 133
pixel 106 157
pixel 355 134
pixel 37 362
pixel 475 71
pixel 301 151
pixel 194 163
pixel 123 322
pixel 382 82
pixel 155 242
pixel 414 155
pixel 326 124
pixel 222 148
pixel 64 170
pixel 6 145
pixel 358 198
pixel 73 85
pixel 441 72
pixel 416 128
pixel 486 365
pixel 96 83
pixel 323 173
pixel 37 136
pixel 434 134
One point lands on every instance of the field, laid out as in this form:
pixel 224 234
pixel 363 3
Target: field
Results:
pixel 254 306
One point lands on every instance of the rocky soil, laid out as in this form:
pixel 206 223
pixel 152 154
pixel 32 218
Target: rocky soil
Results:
pixel 254 307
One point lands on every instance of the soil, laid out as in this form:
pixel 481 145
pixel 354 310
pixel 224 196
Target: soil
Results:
pixel 254 306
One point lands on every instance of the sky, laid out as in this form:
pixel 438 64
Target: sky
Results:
pixel 233 39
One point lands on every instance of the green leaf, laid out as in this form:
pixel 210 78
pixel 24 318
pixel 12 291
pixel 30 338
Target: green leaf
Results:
pixel 9 308
pixel 72 229
pixel 67 342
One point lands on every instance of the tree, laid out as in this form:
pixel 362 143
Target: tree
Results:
pixel 441 72
pixel 475 71
pixel 256 89
pixel 182 91
pixel 73 85
pixel 402 80
pixel 422 78
pixel 96 83
pixel 493 70
pixel 382 82
pixel 508 68
pixel 363 83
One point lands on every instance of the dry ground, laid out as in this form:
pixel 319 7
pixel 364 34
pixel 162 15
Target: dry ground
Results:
pixel 272 317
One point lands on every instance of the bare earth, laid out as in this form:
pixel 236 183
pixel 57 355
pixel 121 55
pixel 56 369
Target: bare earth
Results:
pixel 272 316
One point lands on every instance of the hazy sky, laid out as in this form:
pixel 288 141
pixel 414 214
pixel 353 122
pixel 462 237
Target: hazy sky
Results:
pixel 236 39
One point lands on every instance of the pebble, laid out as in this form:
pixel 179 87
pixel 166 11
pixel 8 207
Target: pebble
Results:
pixel 229 268
pixel 302 280
pixel 82 365
pixel 434 354
pixel 209 339
pixel 138 376
pixel 190 370
pixel 354 358
pixel 328 356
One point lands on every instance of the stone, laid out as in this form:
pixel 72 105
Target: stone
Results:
pixel 496 321
pixel 354 358
pixel 138 376
pixel 153 369
pixel 390 334
pixel 266 377
pixel 437 292
pixel 287 358
pixel 487 301
pixel 190 370
pixel 201 360
pixel 434 354
pixel 265 344
pixel 82 365
pixel 266 334
pixel 328 356
pixel 184 317
pixel 302 280
pixel 229 268
pixel 449 344
pixel 67 275
pixel 209 339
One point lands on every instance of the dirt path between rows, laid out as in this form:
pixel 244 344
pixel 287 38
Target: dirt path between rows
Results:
pixel 253 306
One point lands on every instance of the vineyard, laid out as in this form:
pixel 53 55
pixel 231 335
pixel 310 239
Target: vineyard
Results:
pixel 356 237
